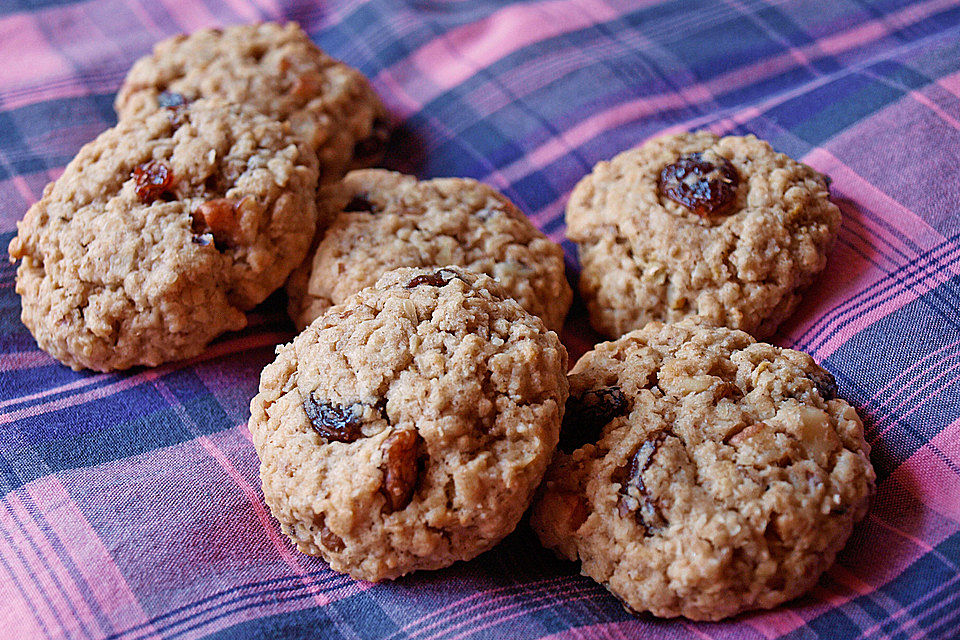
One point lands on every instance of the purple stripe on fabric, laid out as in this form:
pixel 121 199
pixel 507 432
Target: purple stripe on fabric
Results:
pixel 904 379
pixel 279 542
pixel 102 579
pixel 215 536
pixel 515 610
pixel 222 348
pixel 456 608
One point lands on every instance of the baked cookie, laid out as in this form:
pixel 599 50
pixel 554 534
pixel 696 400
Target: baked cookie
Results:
pixel 692 224
pixel 408 427
pixel 161 232
pixel 720 474
pixel 277 70
pixel 383 220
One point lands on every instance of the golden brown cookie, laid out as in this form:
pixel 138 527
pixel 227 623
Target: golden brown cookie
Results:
pixel 408 427
pixel 382 220
pixel 161 232
pixel 694 224
pixel 704 473
pixel 273 68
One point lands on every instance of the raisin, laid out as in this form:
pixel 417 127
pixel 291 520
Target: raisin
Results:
pixel 219 217
pixel 154 180
pixel 333 423
pixel 359 202
pixel 438 279
pixel 588 413
pixel 634 496
pixel 328 538
pixel 707 188
pixel 374 144
pixel 171 100
pixel 400 468
pixel 306 86
pixel 826 384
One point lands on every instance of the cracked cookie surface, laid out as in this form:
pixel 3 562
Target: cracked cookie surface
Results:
pixel 408 427
pixel 694 224
pixel 382 220
pixel 161 232
pixel 273 68
pixel 705 473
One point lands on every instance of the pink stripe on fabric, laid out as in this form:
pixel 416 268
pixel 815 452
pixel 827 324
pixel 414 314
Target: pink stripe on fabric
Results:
pixel 881 205
pixel 26 604
pixel 16 360
pixel 951 83
pixel 69 87
pixel 939 484
pixel 102 578
pixel 189 16
pixel 50 564
pixel 267 522
pixel 455 56
pixel 20 183
pixel 247 13
pixel 937 109
pixel 445 610
pixel 21 37
pixel 17 615
pixel 258 507
pixel 46 599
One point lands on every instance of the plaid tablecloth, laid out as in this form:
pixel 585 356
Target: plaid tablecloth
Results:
pixel 131 504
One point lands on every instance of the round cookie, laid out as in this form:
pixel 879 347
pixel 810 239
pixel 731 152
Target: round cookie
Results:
pixel 277 70
pixel 161 232
pixel 719 474
pixel 382 220
pixel 693 224
pixel 408 427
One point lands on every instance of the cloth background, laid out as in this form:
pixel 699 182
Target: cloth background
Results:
pixel 131 503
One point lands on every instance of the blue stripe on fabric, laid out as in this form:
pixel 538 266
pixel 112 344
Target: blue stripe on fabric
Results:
pixel 878 354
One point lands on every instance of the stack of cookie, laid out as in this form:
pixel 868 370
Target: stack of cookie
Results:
pixel 702 473
pixel 412 421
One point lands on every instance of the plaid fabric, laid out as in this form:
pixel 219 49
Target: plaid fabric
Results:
pixel 131 504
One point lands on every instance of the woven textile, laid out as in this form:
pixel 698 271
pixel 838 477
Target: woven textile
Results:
pixel 131 505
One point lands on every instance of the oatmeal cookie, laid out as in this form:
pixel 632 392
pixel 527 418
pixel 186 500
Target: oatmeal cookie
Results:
pixel 161 232
pixel 277 70
pixel 408 427
pixel 693 224
pixel 383 220
pixel 718 475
